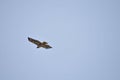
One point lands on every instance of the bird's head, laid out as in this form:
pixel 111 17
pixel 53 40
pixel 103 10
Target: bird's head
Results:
pixel 44 43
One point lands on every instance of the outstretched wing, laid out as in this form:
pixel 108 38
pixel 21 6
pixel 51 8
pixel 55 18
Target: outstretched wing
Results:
pixel 47 46
pixel 34 41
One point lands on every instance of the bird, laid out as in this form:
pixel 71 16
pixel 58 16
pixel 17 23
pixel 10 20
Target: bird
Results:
pixel 39 44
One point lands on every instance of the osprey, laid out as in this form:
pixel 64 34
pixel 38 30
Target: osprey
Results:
pixel 39 44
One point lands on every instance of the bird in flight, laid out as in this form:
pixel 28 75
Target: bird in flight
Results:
pixel 39 44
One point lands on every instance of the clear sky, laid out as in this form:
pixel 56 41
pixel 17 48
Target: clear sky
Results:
pixel 84 34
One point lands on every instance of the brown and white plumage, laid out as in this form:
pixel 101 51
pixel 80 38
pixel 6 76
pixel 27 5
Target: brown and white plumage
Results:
pixel 39 44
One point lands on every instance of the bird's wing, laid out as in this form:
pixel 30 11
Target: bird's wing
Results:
pixel 46 46
pixel 34 41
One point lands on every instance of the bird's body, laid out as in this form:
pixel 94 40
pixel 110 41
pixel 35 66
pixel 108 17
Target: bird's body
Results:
pixel 39 44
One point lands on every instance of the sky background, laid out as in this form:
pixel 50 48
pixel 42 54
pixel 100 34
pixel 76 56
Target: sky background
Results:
pixel 84 34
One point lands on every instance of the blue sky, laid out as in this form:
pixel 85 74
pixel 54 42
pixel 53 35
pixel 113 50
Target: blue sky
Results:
pixel 84 35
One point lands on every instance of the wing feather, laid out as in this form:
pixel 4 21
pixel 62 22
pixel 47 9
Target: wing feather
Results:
pixel 34 41
pixel 47 46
